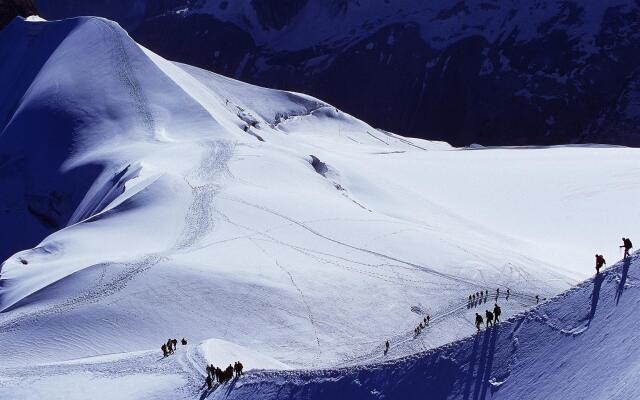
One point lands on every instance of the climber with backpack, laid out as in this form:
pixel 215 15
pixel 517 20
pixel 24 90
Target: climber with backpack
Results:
pixel 489 315
pixel 164 350
pixel 627 245
pixel 496 312
pixel 600 262
pixel 478 320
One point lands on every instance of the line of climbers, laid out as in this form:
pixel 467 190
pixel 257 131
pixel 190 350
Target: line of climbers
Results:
pixel 626 245
pixel 480 297
pixel 217 375
pixel 423 324
pixel 492 317
pixel 170 346
pixel 477 298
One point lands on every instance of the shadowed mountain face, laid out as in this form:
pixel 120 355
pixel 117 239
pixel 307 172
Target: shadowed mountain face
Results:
pixel 489 72
pixel 12 8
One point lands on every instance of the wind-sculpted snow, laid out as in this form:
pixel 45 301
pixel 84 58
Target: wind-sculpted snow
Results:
pixel 144 199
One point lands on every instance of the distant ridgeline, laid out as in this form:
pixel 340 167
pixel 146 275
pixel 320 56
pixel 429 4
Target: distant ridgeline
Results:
pixel 9 9
pixel 488 72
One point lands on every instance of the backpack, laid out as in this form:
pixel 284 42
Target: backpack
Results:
pixel 627 243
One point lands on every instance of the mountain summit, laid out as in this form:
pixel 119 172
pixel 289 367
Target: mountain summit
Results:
pixel 482 71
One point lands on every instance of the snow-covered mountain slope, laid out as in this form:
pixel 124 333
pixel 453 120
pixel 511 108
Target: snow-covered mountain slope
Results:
pixel 581 344
pixel 148 199
pixel 495 72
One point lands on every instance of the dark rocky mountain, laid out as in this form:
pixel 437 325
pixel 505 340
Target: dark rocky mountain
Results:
pixel 495 72
pixel 9 9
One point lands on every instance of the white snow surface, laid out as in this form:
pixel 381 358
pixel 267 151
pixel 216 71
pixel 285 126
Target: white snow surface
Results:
pixel 582 344
pixel 222 353
pixel 265 226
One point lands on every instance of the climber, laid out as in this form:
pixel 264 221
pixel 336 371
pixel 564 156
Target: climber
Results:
pixel 496 312
pixel 164 350
pixel 478 320
pixel 626 244
pixel 228 372
pixel 600 262
pixel 237 367
pixel 489 315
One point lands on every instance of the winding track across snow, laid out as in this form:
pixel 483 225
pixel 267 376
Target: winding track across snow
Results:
pixel 409 338
pixel 198 222
pixel 125 71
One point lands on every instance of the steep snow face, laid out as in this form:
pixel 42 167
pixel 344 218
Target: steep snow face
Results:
pixel 70 129
pixel 508 72
pixel 581 344
pixel 188 204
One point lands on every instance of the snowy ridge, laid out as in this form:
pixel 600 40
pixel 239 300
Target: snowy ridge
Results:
pixel 149 199
pixel 580 344
pixel 593 324
pixel 495 72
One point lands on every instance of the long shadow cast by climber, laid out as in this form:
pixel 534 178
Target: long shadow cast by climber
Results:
pixel 623 278
pixel 490 355
pixel 595 296
pixel 231 385
pixel 205 393
pixel 472 365
pixel 486 354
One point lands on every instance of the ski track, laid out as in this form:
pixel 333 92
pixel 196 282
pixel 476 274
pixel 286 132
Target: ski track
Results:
pixel 313 231
pixel 92 294
pixel 309 313
pixel 125 71
pixel 303 299
pixel 199 218
pixel 198 222
pixel 407 337
pixel 401 338
pixel 377 138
